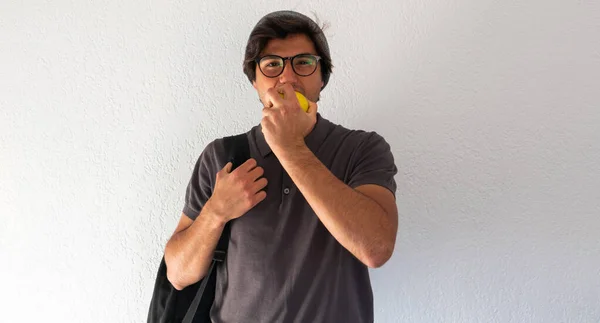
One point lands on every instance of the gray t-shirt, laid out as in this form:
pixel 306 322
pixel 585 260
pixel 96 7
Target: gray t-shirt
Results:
pixel 282 264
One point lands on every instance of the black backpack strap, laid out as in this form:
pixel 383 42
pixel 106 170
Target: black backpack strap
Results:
pixel 238 150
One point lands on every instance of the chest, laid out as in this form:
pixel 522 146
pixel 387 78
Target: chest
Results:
pixel 285 215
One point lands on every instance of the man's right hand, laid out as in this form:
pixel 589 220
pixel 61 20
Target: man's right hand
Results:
pixel 237 192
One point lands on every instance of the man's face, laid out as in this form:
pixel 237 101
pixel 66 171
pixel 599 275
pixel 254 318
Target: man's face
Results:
pixel 290 46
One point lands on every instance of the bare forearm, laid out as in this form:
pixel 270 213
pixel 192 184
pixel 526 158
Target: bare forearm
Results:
pixel 356 221
pixel 188 253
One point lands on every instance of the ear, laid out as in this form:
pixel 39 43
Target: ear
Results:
pixel 254 84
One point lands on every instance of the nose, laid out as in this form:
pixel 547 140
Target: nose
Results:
pixel 288 75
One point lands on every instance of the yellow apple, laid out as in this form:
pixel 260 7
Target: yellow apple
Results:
pixel 301 99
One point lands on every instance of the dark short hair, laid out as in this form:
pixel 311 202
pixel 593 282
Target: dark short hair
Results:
pixel 278 25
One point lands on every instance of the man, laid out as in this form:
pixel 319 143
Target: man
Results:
pixel 300 247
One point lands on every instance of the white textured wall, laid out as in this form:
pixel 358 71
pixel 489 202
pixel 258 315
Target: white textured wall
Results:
pixel 492 109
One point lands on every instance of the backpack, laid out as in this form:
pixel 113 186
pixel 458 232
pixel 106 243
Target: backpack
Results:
pixel 193 303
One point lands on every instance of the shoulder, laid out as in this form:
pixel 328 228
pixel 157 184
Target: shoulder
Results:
pixel 214 153
pixel 359 138
pixel 218 152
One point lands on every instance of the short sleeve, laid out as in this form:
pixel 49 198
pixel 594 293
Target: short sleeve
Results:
pixel 200 186
pixel 373 163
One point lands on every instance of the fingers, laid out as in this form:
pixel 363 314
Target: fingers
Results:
pixel 254 176
pixel 258 198
pixel 272 98
pixel 256 173
pixel 267 111
pixel 248 165
pixel 259 185
pixel 248 171
pixel 288 91
pixel 225 170
pixel 244 168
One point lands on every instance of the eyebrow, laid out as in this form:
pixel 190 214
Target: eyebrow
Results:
pixel 307 53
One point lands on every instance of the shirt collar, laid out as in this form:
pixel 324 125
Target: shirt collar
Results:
pixel 313 140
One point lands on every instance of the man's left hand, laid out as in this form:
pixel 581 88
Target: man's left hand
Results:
pixel 284 123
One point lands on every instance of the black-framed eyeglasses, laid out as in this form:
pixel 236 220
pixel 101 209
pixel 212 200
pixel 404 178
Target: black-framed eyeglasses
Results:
pixel 302 64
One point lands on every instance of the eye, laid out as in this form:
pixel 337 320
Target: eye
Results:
pixel 304 61
pixel 271 62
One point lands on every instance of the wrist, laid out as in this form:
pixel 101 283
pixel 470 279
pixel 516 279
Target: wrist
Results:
pixel 294 152
pixel 213 216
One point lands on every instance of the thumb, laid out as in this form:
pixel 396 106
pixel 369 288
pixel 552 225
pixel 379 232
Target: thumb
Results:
pixel 312 109
pixel 224 171
pixel 228 167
